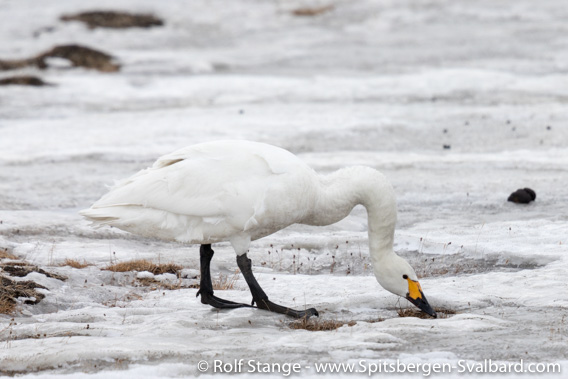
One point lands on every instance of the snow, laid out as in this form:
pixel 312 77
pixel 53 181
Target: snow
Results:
pixel 378 83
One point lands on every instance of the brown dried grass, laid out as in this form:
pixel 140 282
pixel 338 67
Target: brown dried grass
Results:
pixel 225 282
pixel 6 254
pixel 7 304
pixel 145 265
pixel 411 312
pixel 75 263
pixel 318 325
pixel 10 290
pixel 312 11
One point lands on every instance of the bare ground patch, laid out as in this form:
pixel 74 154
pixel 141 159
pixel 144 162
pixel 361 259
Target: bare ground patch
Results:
pixel 77 55
pixel 23 80
pixel 21 269
pixel 11 290
pixel 145 265
pixel 312 11
pixel 113 19
pixel 154 284
pixel 318 325
pixel 411 312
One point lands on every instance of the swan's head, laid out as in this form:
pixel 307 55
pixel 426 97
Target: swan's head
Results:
pixel 398 277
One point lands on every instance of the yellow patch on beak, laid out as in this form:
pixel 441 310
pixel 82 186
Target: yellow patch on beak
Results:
pixel 414 289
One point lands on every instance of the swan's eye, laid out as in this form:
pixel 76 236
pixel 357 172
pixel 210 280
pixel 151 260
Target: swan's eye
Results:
pixel 405 276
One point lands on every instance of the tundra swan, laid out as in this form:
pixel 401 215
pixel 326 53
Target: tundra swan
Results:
pixel 240 191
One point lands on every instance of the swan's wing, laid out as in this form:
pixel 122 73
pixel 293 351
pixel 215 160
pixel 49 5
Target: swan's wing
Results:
pixel 221 183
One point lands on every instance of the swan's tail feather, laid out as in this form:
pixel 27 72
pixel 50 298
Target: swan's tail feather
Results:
pixel 146 222
pixel 98 217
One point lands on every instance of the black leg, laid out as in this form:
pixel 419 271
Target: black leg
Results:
pixel 260 298
pixel 206 287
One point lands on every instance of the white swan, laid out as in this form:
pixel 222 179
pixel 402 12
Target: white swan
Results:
pixel 239 191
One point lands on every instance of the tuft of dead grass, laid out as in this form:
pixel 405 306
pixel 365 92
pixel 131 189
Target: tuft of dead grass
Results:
pixel 410 312
pixel 7 304
pixel 6 254
pixel 145 265
pixel 10 290
pixel 312 11
pixel 225 282
pixel 318 325
pixel 75 263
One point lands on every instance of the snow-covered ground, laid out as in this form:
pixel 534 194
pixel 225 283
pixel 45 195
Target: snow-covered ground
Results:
pixel 380 83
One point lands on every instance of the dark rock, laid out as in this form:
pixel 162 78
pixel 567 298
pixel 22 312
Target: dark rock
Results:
pixel 522 196
pixel 530 192
pixel 111 19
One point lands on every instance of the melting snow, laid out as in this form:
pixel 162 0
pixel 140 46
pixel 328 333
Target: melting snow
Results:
pixel 384 84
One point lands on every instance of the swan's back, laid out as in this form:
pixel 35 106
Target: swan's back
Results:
pixel 210 192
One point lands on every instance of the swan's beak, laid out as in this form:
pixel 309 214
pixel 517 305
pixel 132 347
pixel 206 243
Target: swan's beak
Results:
pixel 416 297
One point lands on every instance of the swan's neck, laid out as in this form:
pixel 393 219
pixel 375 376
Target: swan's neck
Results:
pixel 342 190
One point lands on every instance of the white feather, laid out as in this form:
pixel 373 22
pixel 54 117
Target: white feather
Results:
pixel 209 192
